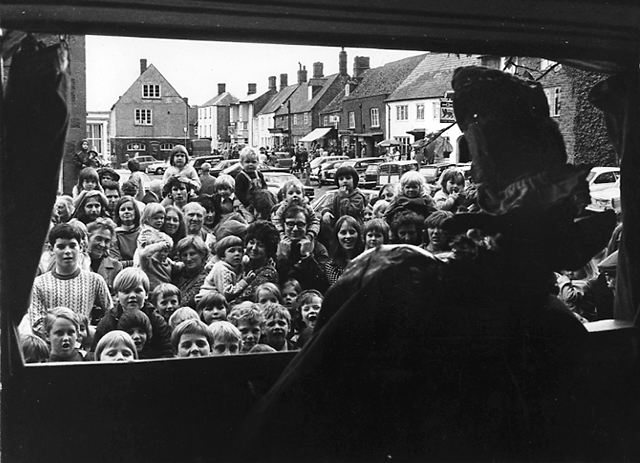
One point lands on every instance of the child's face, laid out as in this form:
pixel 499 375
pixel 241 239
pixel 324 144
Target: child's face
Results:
pixel 373 239
pixel 250 164
pixel 221 347
pixel 157 220
pixel 117 353
pixel 276 329
pixel 233 255
pixel 294 194
pixel 264 296
pixel 167 304
pixel 214 313
pixel 368 214
pixel 289 295
pixel 345 182
pixel 224 191
pixel 250 334
pixel 92 208
pixel 132 298
pixel 66 253
pixel 209 218
pixel 193 345
pixel 407 234
pixel 387 194
pixel 310 310
pixel 179 159
pixel 453 186
pixel 411 190
pixel 89 184
pixel 82 333
pixel 139 337
pixel 179 193
pixel 63 336
pixel 127 213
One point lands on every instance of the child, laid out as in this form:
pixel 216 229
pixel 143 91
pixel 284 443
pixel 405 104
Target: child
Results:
pixel 151 223
pixel 137 325
pixel 349 200
pixel 413 195
pixel 166 299
pixel 309 303
pixel 376 233
pixel 155 262
pixel 227 202
pixel 290 290
pixel 452 195
pixel 226 339
pixel 276 326
pixel 181 315
pixel 248 320
pixel 225 276
pixel 34 349
pixel 116 346
pixel 249 179
pixel 294 194
pixel 61 327
pixel 85 336
pixel 267 292
pixel 192 338
pixel 212 307
pixel 88 180
pixel 368 213
pixel 380 209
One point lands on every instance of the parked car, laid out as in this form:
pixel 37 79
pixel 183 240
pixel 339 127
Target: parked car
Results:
pixel 158 167
pixel 222 165
pixel 432 172
pixel 145 161
pixel 602 178
pixel 234 169
pixel 361 164
pixel 126 173
pixel 276 180
pixel 326 171
pixel 388 172
pixel 609 198
pixel 211 159
pixel 319 161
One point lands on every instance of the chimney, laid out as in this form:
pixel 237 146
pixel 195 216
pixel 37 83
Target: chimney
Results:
pixel 342 62
pixel 284 79
pixel 360 64
pixel 252 89
pixel 222 88
pixel 143 66
pixel 272 83
pixel 302 75
pixel 318 70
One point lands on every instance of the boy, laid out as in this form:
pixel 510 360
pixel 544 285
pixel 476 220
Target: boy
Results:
pixel 192 338
pixel 213 307
pixel 34 349
pixel 137 325
pixel 155 262
pixel 181 315
pixel 61 328
pixel 348 200
pixel 226 274
pixel 248 320
pixel 226 199
pixel 132 285
pixel 166 299
pixel 249 179
pixel 276 326
pixel 226 339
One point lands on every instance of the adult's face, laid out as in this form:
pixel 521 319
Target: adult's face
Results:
pixel 171 223
pixel 296 226
pixel 127 213
pixel 92 209
pixel 179 193
pixel 99 241
pixel 112 197
pixel 195 219
pixel 192 259
pixel 347 236
pixel 256 250
pixel 62 211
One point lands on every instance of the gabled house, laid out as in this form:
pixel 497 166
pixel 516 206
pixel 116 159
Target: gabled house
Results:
pixel 418 107
pixel 150 117
pixel 243 126
pixel 364 111
pixel 214 118
pixel 268 134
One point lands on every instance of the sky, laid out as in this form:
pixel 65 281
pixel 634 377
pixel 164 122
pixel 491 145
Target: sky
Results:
pixel 194 68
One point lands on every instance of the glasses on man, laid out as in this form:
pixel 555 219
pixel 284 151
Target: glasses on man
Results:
pixel 291 224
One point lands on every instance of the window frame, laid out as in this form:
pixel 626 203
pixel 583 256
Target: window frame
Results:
pixel 138 118
pixel 151 95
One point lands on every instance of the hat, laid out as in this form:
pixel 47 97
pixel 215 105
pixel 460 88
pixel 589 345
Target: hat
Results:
pixel 610 263
pixel 231 227
pixel 347 171
pixel 102 172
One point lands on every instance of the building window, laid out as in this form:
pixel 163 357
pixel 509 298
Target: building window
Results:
pixel 150 91
pixel 435 110
pixel 295 119
pixel 420 112
pixel 402 112
pixel 94 136
pixel 143 117
pixel 375 117
pixel 347 90
pixel 325 121
pixel 554 98
pixel 306 119
pixel 404 144
pixel 352 120
pixel 166 146
pixel 135 147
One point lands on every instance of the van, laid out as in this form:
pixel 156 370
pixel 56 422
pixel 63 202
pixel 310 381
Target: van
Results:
pixel 391 172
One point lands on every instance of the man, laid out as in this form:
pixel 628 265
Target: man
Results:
pixel 67 285
pixel 207 181
pixel 113 194
pixel 194 216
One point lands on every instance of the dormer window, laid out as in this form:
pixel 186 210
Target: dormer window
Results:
pixel 150 91
pixel 347 89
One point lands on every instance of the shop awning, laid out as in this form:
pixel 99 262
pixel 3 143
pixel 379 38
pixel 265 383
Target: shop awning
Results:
pixel 315 134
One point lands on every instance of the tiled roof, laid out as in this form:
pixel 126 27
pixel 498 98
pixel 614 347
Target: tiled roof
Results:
pixel 335 105
pixel 278 100
pixel 299 99
pixel 223 99
pixel 385 79
pixel 432 77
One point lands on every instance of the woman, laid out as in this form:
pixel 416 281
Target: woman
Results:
pixel 297 257
pixel 102 233
pixel 127 231
pixel 175 227
pixel 348 243
pixel 179 160
pixel 62 210
pixel 193 253
pixel 90 205
pixel 261 245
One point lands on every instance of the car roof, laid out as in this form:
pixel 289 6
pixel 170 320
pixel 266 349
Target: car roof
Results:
pixel 605 169
pixel 400 163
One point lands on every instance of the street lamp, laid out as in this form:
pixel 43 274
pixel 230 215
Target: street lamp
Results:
pixel 289 119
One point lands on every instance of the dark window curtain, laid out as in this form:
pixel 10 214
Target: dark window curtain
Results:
pixel 619 98
pixel 34 128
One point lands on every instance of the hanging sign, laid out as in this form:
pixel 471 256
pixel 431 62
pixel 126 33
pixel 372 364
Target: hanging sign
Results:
pixel 446 110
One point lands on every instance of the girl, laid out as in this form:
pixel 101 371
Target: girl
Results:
pixel 116 346
pixel 128 228
pixel 151 223
pixel 452 196
pixel 348 243
pixel 290 290
pixel 267 292
pixel 376 233
pixel 179 160
pixel 412 195
pixel 88 180
pixel 213 307
pixel 174 226
pixel 90 204
pixel 308 305
pixel 137 325
pixel 293 192
pixel 380 209
pixel 387 193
